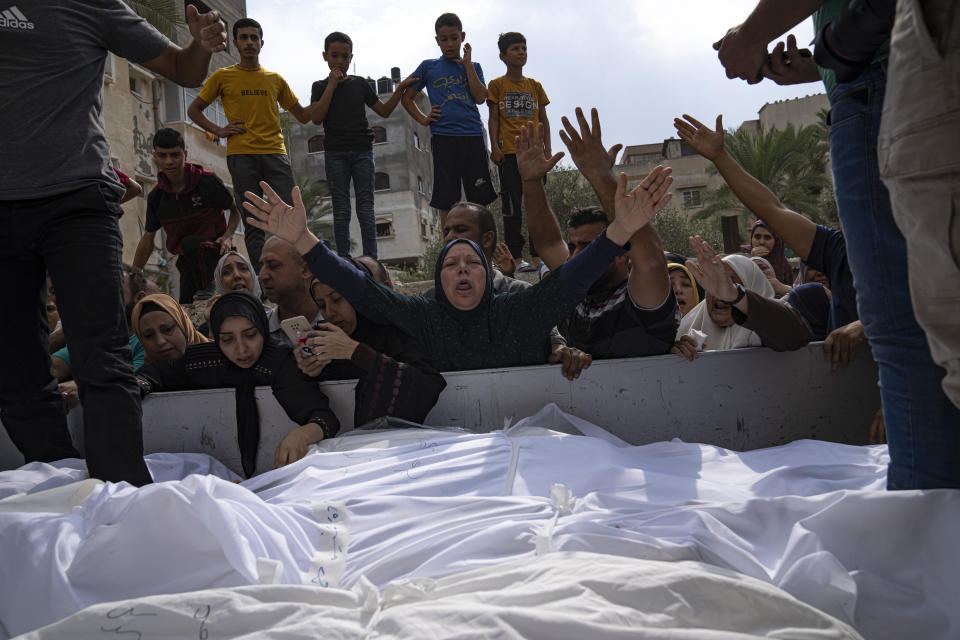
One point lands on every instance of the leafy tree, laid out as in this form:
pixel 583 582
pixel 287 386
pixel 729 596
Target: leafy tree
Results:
pixel 675 228
pixel 791 162
pixel 162 14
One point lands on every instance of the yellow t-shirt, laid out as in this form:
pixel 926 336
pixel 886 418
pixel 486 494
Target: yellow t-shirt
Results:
pixel 251 95
pixel 519 103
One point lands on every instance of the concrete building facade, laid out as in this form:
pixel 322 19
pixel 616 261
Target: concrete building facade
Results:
pixel 406 223
pixel 137 102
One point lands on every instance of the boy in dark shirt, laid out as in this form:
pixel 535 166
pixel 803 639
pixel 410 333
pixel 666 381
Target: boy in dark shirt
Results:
pixel 188 203
pixel 348 140
pixel 455 86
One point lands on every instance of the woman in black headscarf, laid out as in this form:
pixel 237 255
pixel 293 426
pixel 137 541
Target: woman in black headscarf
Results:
pixel 394 375
pixel 244 356
pixel 467 326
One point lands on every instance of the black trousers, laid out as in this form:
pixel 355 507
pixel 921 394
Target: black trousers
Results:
pixel 196 265
pixel 76 238
pixel 511 193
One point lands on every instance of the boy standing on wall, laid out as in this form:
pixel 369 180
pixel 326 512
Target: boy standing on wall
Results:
pixel 514 100
pixel 348 140
pixel 455 86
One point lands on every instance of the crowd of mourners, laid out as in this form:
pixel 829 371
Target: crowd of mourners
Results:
pixel 291 311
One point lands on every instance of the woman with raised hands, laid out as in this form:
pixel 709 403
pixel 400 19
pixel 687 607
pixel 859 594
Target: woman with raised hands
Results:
pixel 739 309
pixel 467 326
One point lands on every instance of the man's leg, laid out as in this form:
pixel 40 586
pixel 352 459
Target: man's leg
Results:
pixel 245 174
pixel 196 266
pixel 363 172
pixel 511 194
pixel 921 422
pixel 337 164
pixel 30 406
pixel 919 164
pixel 83 249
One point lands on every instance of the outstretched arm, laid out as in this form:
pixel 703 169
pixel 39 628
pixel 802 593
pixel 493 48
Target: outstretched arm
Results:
pixel 384 109
pixel 188 67
pixel 533 164
pixel 376 301
pixel 796 230
pixel 649 281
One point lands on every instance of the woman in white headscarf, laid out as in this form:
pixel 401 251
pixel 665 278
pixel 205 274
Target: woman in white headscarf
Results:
pixel 739 309
pixel 235 273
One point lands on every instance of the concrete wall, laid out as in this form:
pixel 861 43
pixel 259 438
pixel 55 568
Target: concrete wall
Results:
pixel 743 399
pixel 800 112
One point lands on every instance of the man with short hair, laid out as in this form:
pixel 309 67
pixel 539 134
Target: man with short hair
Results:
pixel 250 95
pixel 631 309
pixel 59 212
pixel 188 202
pixel 286 280
pixel 476 223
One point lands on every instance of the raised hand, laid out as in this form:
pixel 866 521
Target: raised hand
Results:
pixel 636 209
pixel 741 57
pixel 586 147
pixel 709 271
pixel 466 59
pixel 279 218
pixel 207 29
pixel 504 259
pixel 532 160
pixel 700 137
pixel 788 65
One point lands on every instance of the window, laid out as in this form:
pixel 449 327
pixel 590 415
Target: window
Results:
pixel 315 144
pixel 381 181
pixel 420 184
pixel 136 86
pixel 385 228
pixel 416 142
pixel 379 135
pixel 691 199
pixel 423 228
pixel 214 111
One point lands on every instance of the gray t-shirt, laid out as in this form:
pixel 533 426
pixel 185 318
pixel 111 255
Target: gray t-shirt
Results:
pixel 51 79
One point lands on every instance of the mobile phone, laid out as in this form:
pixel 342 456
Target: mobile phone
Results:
pixel 292 326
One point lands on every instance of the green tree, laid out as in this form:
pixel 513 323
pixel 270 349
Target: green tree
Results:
pixel 318 207
pixel 162 14
pixel 791 162
pixel 675 228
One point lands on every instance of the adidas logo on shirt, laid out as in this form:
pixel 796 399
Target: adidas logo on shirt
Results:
pixel 13 18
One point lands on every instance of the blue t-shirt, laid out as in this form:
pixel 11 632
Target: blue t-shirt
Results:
pixel 828 254
pixel 135 346
pixel 446 83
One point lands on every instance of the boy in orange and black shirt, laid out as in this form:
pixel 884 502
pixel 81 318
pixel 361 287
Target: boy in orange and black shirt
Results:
pixel 514 100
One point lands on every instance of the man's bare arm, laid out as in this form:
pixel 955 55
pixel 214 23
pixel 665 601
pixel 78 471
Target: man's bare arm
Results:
pixel 411 106
pixel 493 126
pixel 797 231
pixel 542 224
pixel 384 109
pixel 195 113
pixel 144 249
pixel 188 66
pixel 477 91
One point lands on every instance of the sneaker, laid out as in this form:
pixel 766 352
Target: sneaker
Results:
pixel 206 293
pixel 525 267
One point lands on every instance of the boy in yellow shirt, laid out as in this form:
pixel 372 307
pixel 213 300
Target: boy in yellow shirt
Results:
pixel 514 100
pixel 250 95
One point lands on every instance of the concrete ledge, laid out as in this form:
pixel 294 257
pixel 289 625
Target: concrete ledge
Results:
pixel 743 399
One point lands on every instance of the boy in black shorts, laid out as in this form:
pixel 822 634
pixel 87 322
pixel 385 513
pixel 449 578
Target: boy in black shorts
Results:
pixel 455 87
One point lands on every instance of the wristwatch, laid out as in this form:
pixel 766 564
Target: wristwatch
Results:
pixel 741 291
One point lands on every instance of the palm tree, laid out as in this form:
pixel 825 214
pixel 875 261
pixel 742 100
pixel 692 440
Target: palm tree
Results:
pixel 314 194
pixel 162 14
pixel 791 162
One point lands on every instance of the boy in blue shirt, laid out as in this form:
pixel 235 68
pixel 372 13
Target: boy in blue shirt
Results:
pixel 455 87
pixel 348 140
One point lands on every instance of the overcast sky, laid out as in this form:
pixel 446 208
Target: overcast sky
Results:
pixel 640 62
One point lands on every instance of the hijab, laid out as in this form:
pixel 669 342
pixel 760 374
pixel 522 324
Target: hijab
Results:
pixel 777 258
pixel 697 289
pixel 735 336
pixel 813 303
pixel 242 304
pixel 163 302
pixel 218 279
